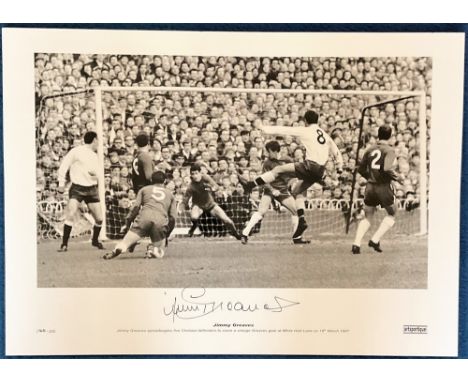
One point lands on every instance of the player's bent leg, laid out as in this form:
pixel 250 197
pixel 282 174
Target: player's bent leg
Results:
pixel 284 168
pixel 155 250
pixel 387 223
pixel 257 216
pixel 219 213
pixel 290 204
pixel 300 206
pixel 299 187
pixel 129 239
pixel 362 229
pixel 270 176
pixel 158 234
pixel 170 227
pixel 195 214
pixel 95 209
pixel 297 192
pixel 70 212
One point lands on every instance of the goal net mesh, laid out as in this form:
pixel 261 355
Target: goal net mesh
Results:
pixel 221 131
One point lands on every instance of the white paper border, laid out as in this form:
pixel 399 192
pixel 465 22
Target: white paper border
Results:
pixel 375 317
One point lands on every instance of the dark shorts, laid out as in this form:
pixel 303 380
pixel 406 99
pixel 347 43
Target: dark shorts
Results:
pixel 146 225
pixel 379 194
pixel 207 207
pixel 83 193
pixel 284 194
pixel 309 171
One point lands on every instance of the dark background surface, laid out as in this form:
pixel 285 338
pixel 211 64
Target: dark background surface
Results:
pixel 463 304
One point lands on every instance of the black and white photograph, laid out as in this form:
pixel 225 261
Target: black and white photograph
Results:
pixel 224 171
pixel 232 193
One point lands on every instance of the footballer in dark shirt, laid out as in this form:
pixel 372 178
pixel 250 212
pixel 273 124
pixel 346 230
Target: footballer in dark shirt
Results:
pixel 378 167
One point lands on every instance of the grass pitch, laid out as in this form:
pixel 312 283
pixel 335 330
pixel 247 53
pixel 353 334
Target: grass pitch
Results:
pixel 225 263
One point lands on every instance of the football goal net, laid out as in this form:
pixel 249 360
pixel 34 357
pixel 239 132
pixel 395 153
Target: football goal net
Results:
pixel 219 127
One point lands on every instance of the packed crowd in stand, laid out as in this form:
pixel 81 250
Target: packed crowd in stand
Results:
pixel 221 130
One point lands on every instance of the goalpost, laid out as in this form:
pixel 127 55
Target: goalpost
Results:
pixel 324 215
pixel 401 95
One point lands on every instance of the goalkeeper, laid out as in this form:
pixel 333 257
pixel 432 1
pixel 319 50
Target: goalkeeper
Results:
pixel 199 191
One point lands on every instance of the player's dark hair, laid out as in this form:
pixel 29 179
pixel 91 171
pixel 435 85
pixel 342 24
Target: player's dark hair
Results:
pixel 244 132
pixel 385 132
pixel 89 137
pixel 311 117
pixel 273 146
pixel 142 140
pixel 195 167
pixel 158 177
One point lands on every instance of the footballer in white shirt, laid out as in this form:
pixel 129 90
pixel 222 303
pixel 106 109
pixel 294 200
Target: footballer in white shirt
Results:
pixel 319 146
pixel 82 165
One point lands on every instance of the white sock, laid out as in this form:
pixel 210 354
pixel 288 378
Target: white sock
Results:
pixel 362 228
pixel 300 202
pixel 268 177
pixel 295 222
pixel 387 223
pixel 121 245
pixel 256 217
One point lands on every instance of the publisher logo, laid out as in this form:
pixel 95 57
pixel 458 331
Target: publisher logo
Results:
pixel 414 329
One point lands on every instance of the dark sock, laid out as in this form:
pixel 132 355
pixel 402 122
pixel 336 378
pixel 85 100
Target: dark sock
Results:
pixel 193 227
pixel 96 231
pixel 232 229
pixel 259 181
pixel 300 213
pixel 66 233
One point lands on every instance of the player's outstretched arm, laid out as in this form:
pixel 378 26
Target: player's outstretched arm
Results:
pixel 297 131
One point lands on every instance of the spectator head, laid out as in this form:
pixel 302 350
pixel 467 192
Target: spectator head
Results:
pixel 131 194
pixel 179 159
pixel 142 140
pixel 165 153
pixel 214 164
pixel 239 189
pixel 243 162
pixel 118 142
pixel 158 177
pixel 114 157
pixel 385 132
pixel 223 165
pixel 124 172
pixel 311 117
pixel 129 141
